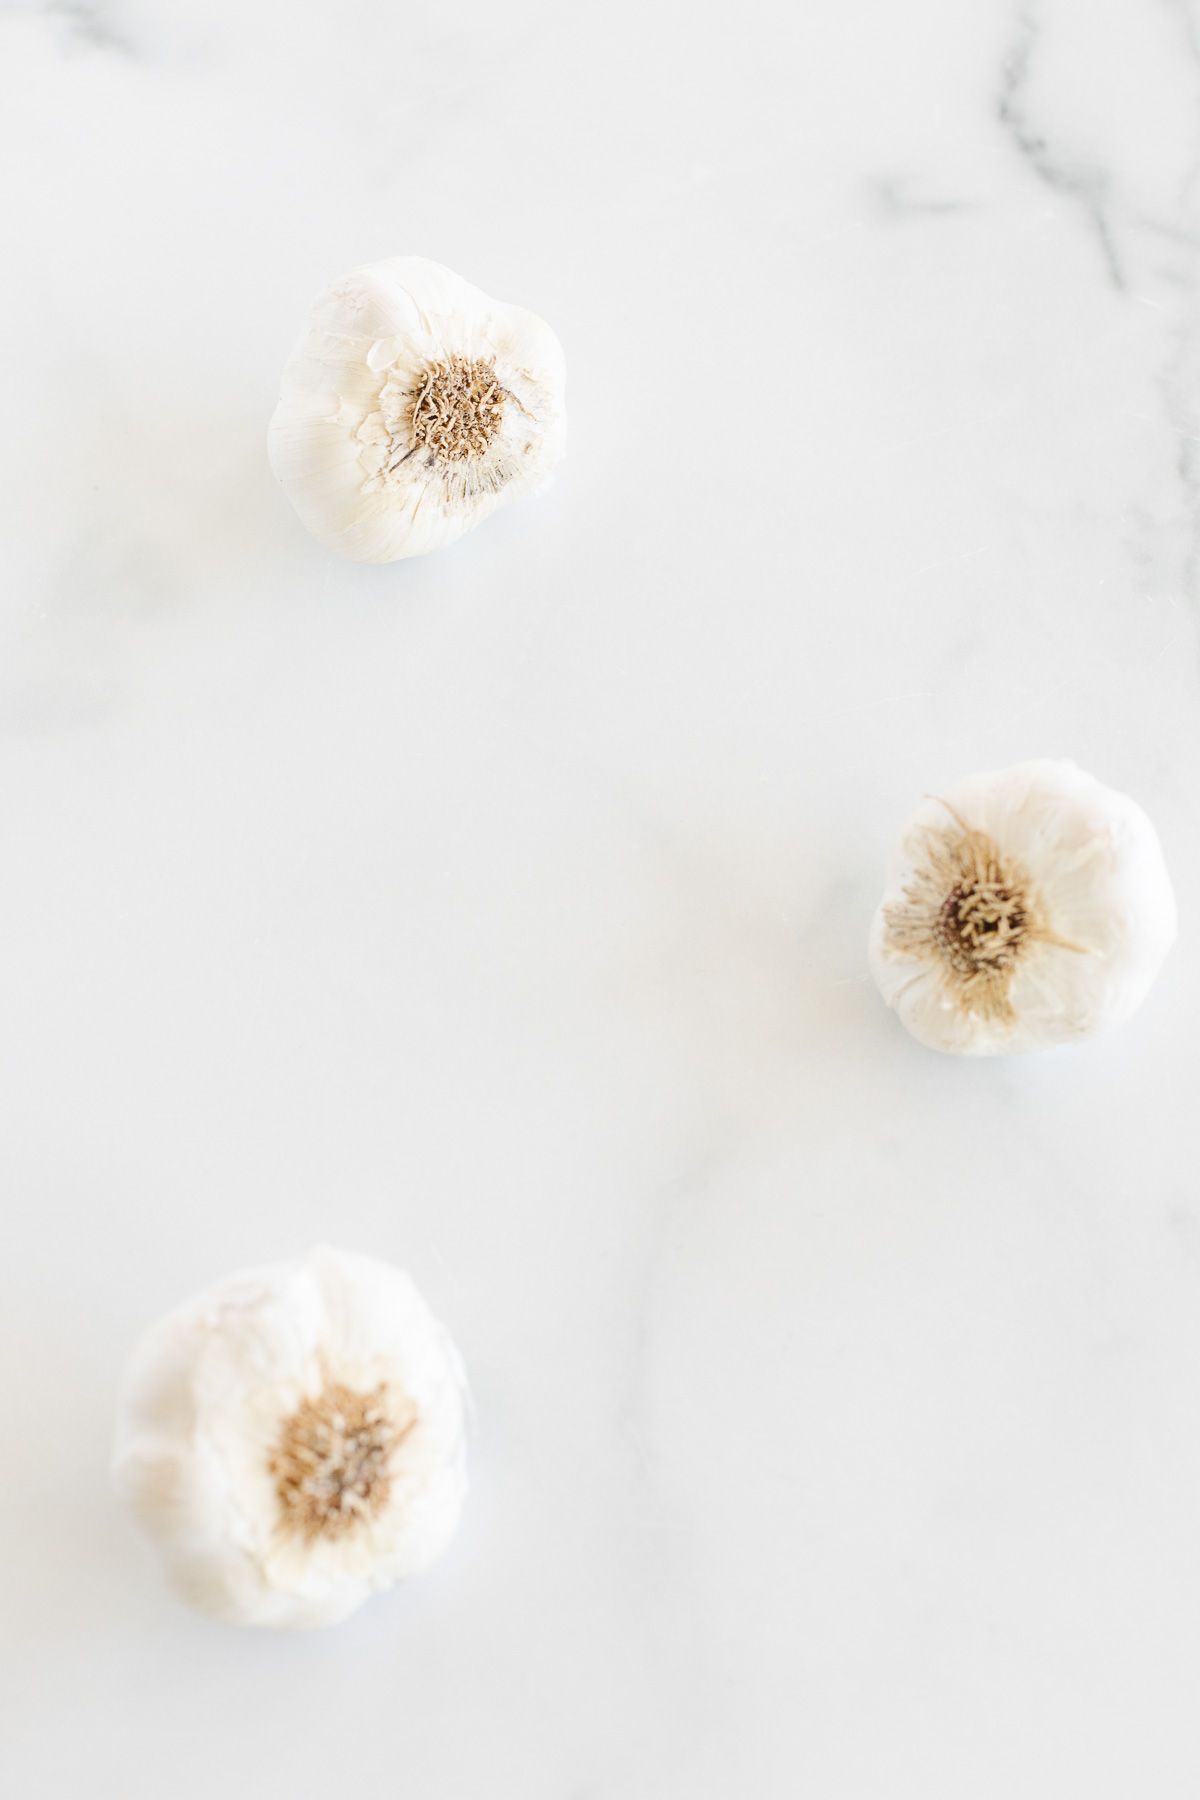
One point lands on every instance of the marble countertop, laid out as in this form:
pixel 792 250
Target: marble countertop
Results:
pixel 504 913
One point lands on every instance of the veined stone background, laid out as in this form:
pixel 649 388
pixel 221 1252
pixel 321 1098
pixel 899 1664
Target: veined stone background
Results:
pixel 504 913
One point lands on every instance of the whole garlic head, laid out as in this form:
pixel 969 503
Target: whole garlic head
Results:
pixel 293 1439
pixel 1026 907
pixel 412 407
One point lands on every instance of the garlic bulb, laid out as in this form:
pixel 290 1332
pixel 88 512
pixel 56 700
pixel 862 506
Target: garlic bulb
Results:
pixel 1024 908
pixel 293 1439
pixel 412 407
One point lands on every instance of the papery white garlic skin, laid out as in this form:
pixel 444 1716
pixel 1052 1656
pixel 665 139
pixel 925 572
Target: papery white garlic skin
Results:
pixel 223 1402
pixel 413 406
pixel 1073 912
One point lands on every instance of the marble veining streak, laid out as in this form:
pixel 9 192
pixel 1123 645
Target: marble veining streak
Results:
pixel 504 913
pixel 1088 187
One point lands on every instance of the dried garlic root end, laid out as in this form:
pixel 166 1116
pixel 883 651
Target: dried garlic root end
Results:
pixel 333 1461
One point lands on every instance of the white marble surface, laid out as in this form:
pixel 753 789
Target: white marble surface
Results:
pixel 504 913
